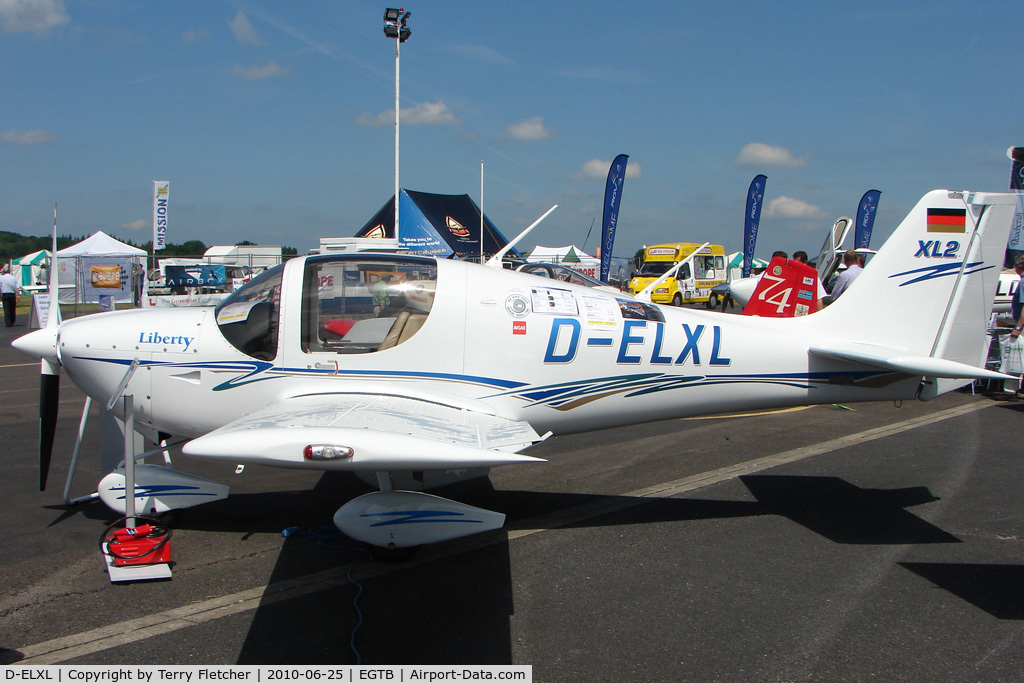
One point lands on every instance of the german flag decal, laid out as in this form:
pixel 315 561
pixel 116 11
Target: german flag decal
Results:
pixel 947 220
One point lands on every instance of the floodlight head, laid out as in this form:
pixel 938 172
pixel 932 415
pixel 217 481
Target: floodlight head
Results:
pixel 394 24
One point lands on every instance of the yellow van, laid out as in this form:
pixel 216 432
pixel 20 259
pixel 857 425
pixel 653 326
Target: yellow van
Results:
pixel 694 280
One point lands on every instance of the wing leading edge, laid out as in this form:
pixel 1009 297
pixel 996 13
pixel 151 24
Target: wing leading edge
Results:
pixel 383 433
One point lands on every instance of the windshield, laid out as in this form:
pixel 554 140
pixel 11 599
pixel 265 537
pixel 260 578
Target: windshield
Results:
pixel 659 268
pixel 249 317
pixel 560 273
pixel 654 268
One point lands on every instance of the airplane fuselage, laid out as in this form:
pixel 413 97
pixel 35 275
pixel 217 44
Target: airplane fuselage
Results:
pixel 556 355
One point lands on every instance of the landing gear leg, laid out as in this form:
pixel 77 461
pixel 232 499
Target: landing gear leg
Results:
pixel 389 553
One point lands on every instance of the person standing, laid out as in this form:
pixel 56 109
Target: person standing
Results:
pixel 1010 349
pixel 9 294
pixel 381 296
pixel 1017 305
pixel 847 277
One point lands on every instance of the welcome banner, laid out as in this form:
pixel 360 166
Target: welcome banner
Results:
pixel 1016 241
pixel 752 218
pixel 866 219
pixel 612 199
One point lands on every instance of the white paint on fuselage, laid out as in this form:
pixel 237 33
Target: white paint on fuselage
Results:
pixel 471 351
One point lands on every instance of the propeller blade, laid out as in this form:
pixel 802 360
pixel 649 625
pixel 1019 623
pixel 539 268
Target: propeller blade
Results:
pixel 49 395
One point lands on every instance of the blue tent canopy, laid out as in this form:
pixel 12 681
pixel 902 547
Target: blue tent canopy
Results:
pixel 440 225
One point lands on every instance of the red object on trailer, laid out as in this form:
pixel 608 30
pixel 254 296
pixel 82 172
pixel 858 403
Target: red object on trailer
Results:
pixel 786 289
pixel 140 545
pixel 146 550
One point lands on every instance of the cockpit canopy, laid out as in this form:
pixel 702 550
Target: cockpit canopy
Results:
pixel 363 304
pixel 350 304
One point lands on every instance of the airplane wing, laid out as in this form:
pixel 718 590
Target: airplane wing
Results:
pixel 901 360
pixel 368 432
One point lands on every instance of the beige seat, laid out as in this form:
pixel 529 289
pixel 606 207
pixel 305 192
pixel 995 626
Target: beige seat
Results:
pixel 406 325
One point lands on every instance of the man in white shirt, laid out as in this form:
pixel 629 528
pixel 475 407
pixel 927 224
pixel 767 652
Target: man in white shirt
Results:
pixel 9 294
pixel 846 277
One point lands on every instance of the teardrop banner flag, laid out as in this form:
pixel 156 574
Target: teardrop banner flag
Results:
pixel 866 219
pixel 1016 241
pixel 755 197
pixel 612 200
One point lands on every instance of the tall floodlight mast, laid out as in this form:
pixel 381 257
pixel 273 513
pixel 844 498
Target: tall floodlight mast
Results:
pixel 395 27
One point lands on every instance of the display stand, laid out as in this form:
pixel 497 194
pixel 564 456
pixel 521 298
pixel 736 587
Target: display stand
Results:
pixel 138 572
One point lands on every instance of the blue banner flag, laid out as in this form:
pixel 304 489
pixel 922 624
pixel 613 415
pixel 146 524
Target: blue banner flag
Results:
pixel 865 219
pixel 755 197
pixel 1016 241
pixel 612 200
pixel 1016 155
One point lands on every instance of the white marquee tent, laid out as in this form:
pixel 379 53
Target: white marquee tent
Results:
pixel 569 256
pixel 735 265
pixel 100 265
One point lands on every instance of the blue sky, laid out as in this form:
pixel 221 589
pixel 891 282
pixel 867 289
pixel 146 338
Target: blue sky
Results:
pixel 274 121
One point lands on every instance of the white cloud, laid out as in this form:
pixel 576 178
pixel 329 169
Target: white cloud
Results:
pixel 758 154
pixel 243 30
pixel 28 138
pixel 529 130
pixel 481 53
pixel 137 225
pixel 423 114
pixel 37 16
pixel 196 36
pixel 787 207
pixel 430 114
pixel 257 73
pixel 597 169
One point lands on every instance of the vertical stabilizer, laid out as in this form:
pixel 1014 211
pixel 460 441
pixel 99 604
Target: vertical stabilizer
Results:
pixel 929 290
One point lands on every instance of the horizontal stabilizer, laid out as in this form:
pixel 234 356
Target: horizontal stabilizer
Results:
pixel 901 360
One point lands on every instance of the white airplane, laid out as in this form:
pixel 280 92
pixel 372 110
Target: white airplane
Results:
pixel 413 372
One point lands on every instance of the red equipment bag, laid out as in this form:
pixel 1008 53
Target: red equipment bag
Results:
pixel 147 543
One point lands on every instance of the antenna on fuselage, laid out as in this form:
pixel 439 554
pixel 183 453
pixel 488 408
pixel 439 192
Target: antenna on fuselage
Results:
pixel 495 261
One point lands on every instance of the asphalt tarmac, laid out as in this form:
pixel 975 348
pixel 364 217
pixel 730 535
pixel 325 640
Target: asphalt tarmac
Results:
pixel 870 541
